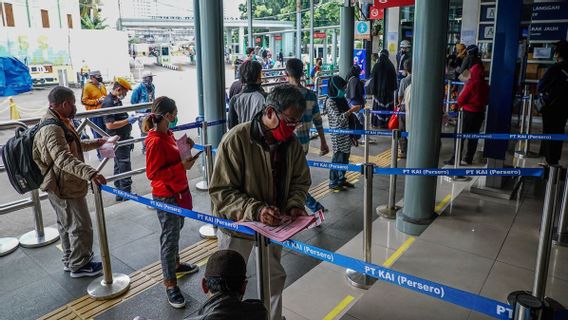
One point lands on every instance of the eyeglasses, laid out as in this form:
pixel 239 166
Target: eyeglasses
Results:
pixel 288 121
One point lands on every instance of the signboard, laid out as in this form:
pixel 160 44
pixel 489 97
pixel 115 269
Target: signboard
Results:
pixel 277 37
pixel 487 13
pixel 548 31
pixel 359 59
pixel 382 4
pixel 544 11
pixel 376 13
pixel 486 31
pixel 320 35
pixel 363 30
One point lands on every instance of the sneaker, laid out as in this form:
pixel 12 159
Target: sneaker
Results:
pixel 347 184
pixel 465 163
pixel 337 188
pixel 120 199
pixel 91 269
pixel 402 155
pixel 175 298
pixel 66 269
pixel 449 162
pixel 185 269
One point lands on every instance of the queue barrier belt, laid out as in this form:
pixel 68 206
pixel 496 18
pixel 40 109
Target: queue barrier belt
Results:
pixel 487 306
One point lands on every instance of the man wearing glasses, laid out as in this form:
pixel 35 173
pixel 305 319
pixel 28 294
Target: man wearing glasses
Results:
pixel 261 174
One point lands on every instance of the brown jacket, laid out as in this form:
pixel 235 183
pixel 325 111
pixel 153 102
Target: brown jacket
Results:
pixel 69 175
pixel 242 180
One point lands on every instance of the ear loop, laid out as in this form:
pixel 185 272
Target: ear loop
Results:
pixel 336 88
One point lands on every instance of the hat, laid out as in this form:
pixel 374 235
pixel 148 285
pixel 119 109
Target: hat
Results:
pixel 405 44
pixel 123 83
pixel 226 264
pixel 147 74
pixel 460 46
pixel 95 73
pixel 472 49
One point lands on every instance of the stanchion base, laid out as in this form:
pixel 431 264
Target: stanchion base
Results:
pixel 208 231
pixel 32 240
pixel 386 212
pixel 202 186
pixel 8 245
pixel 459 179
pixel 523 155
pixel 98 290
pixel 359 280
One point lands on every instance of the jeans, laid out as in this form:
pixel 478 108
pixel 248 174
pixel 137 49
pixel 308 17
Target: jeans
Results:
pixel 337 177
pixel 169 239
pixel 122 164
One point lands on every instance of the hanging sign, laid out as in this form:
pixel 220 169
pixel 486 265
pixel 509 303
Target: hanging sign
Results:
pixel 548 31
pixel 382 4
pixel 376 13
pixel 320 35
pixel 363 30
pixel 544 11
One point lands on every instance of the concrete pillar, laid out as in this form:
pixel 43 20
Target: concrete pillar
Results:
pixel 430 27
pixel 213 87
pixel 298 29
pixel 392 31
pixel 242 47
pixel 311 55
pixel 199 65
pixel 334 47
pixel 272 46
pixel 250 31
pixel 470 23
pixel 325 48
pixel 347 24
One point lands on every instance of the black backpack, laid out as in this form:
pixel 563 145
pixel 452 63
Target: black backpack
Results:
pixel 23 172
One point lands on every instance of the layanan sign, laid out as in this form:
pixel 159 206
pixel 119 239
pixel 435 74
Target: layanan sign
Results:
pixel 382 4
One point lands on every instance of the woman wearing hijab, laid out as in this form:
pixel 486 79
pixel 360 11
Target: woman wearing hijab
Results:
pixel 384 84
pixel 338 113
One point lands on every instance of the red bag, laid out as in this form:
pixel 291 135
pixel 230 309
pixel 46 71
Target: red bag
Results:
pixel 393 121
pixel 184 200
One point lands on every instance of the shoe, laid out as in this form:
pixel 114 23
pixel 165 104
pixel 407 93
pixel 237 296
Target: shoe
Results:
pixel 91 269
pixel 449 162
pixel 175 298
pixel 465 163
pixel 66 269
pixel 401 155
pixel 120 199
pixel 337 188
pixel 185 269
pixel 347 184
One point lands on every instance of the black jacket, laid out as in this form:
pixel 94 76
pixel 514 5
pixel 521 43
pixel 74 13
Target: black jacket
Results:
pixel 222 306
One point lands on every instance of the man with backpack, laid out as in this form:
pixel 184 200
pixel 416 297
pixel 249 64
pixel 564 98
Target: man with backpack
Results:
pixel 58 152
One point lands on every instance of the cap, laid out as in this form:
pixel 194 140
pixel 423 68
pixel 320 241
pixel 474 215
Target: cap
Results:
pixel 123 83
pixel 405 44
pixel 95 73
pixel 460 46
pixel 147 74
pixel 226 264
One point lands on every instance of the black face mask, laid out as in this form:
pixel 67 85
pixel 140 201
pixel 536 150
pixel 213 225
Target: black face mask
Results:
pixel 99 79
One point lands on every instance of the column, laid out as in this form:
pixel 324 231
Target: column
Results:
pixel 213 87
pixel 392 31
pixel 347 25
pixel 430 26
pixel 334 48
pixel 249 16
pixel 470 23
pixel 242 48
pixel 298 29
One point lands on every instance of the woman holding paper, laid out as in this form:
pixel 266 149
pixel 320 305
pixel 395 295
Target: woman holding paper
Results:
pixel 167 171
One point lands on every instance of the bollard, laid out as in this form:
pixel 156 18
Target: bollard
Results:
pixel 389 210
pixel 203 185
pixel 110 285
pixel 8 245
pixel 263 270
pixel 545 237
pixel 208 231
pixel 40 236
pixel 356 279
pixel 561 235
pixel 525 306
pixel 458 149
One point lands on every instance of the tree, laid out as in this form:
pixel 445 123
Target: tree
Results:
pixel 94 23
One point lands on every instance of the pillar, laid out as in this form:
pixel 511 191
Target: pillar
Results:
pixel 242 48
pixel 430 27
pixel 299 29
pixel 470 22
pixel 311 61
pixel 213 87
pixel 392 31
pixel 347 25
pixel 198 69
pixel 334 48
pixel 250 32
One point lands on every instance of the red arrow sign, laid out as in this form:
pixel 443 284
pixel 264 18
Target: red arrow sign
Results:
pixel 381 4
pixel 376 13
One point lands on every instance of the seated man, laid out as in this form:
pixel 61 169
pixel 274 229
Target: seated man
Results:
pixel 225 283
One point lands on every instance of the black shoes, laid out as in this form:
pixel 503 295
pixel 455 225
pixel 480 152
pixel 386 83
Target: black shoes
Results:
pixel 175 298
pixel 185 269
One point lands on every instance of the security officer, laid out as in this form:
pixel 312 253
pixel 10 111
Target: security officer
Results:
pixel 120 124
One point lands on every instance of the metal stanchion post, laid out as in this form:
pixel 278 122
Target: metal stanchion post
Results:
pixel 8 245
pixel 523 121
pixel 530 305
pixel 389 210
pixel 110 285
pixel 448 96
pixel 203 185
pixel 40 236
pixel 263 270
pixel 356 279
pixel 208 231
pixel 561 234
pixel 367 137
pixel 458 150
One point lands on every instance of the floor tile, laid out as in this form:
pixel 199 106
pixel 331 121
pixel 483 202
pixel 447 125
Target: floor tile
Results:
pixel 18 273
pixel 290 315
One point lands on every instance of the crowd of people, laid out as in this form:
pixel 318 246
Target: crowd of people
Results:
pixel 269 134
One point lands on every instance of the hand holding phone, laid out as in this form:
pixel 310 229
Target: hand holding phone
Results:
pixel 196 155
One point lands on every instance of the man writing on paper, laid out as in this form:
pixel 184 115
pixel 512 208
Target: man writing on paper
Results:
pixel 261 174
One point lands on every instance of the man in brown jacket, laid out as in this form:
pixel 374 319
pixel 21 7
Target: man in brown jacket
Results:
pixel 59 155
pixel 261 174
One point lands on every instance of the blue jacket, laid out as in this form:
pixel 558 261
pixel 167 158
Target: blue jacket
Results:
pixel 140 95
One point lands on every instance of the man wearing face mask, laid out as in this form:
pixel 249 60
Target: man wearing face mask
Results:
pixel 120 124
pixel 261 174
pixel 58 152
pixel 94 92
pixel 145 92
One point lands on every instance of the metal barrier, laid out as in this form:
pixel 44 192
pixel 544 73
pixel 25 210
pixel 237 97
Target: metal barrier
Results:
pixel 526 126
pixel 389 210
pixel 458 147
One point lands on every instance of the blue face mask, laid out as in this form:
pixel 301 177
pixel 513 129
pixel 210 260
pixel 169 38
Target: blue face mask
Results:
pixel 173 124
pixel 341 94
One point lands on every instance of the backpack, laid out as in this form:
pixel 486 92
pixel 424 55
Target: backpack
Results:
pixel 17 155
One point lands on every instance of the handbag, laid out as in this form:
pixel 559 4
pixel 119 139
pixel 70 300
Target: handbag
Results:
pixel 393 121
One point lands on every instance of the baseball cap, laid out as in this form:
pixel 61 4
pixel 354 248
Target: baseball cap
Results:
pixel 95 73
pixel 226 264
pixel 123 83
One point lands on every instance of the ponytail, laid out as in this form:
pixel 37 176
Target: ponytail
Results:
pixel 150 121
pixel 160 107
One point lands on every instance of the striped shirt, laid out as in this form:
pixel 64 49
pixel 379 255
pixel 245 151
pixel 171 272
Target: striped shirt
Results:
pixel 338 120
pixel 312 114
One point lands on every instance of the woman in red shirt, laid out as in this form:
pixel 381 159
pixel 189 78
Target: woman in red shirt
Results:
pixel 167 171
pixel 472 100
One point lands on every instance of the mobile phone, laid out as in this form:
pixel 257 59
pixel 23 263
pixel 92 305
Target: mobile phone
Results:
pixel 196 155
